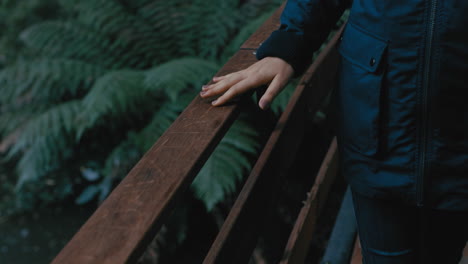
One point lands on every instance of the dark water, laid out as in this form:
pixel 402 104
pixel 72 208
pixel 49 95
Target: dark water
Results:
pixel 38 236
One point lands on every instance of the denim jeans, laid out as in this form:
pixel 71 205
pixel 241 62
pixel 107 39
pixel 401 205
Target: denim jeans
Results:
pixel 392 233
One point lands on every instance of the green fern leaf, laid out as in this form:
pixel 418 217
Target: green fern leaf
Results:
pixel 11 120
pixel 175 76
pixel 70 40
pixel 126 154
pixel 242 36
pixel 252 9
pixel 46 81
pixel 119 95
pixel 227 164
pixel 216 26
pixel 46 141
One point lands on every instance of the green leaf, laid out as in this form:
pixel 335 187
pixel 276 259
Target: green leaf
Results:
pixel 175 76
pixel 45 141
pixel 46 80
pixel 227 164
pixel 118 95
pixel 87 194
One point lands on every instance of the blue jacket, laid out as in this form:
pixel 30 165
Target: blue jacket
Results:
pixel 402 94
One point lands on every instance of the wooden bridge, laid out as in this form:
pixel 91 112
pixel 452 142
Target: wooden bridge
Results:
pixel 123 226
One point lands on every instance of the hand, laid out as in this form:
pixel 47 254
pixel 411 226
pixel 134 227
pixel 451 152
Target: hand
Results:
pixel 269 70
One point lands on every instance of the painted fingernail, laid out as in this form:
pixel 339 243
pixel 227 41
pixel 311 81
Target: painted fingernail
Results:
pixel 204 87
pixel 202 93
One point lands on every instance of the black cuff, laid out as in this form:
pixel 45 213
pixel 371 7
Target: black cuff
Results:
pixel 288 46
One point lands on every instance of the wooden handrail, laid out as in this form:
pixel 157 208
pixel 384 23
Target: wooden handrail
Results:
pixel 300 238
pixel 122 227
pixel 238 235
pixel 126 222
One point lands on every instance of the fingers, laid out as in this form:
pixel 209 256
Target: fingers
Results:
pixel 219 78
pixel 220 86
pixel 268 70
pixel 275 87
pixel 235 90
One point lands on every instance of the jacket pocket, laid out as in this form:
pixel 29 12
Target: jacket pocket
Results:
pixel 362 72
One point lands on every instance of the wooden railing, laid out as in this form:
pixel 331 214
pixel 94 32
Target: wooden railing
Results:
pixel 126 222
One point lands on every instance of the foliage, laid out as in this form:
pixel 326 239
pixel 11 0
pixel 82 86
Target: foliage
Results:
pixel 227 165
pixel 17 15
pixel 88 86
pixel 99 81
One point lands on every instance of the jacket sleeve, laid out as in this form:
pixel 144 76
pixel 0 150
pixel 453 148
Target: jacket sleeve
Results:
pixel 304 26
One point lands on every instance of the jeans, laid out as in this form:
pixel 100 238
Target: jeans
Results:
pixel 392 233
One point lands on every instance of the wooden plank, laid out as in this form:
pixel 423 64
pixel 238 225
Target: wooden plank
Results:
pixel 122 227
pixel 323 73
pixel 240 231
pixel 301 234
pixel 238 235
pixel 125 223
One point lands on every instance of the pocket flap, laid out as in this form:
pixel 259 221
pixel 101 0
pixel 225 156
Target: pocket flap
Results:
pixel 361 48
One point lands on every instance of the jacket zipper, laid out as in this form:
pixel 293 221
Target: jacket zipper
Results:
pixel 424 107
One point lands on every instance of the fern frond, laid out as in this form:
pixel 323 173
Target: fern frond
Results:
pixel 162 119
pixel 126 154
pixel 117 95
pixel 12 120
pixel 107 16
pixel 131 32
pixel 252 9
pixel 175 76
pixel 69 40
pixel 193 28
pixel 46 141
pixel 216 26
pixel 242 36
pixel 56 123
pixel 45 80
pixel 227 165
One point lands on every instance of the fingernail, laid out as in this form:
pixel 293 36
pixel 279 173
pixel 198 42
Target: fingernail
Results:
pixel 214 102
pixel 264 105
pixel 202 93
pixel 204 87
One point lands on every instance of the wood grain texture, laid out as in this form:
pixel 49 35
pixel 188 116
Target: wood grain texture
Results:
pixel 122 227
pixel 301 234
pixel 321 77
pixel 239 233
